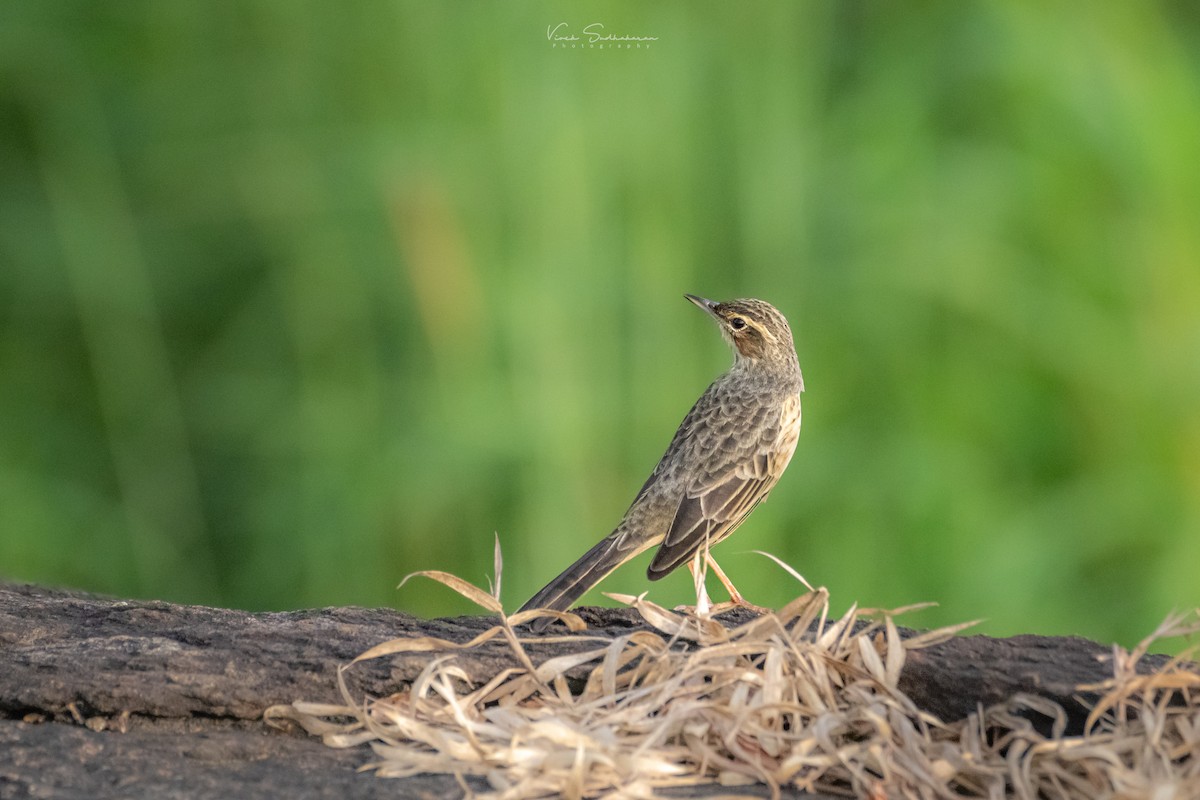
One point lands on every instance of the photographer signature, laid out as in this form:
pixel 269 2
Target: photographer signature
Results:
pixel 594 33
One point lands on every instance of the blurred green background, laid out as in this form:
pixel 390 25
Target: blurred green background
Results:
pixel 297 298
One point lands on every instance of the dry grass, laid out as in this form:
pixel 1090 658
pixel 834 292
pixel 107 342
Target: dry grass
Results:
pixel 792 698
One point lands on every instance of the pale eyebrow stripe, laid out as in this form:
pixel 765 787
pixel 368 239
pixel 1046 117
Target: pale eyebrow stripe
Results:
pixel 761 328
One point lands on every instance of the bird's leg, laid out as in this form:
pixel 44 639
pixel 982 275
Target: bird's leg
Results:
pixel 735 597
pixel 703 604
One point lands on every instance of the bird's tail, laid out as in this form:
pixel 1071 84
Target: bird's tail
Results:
pixel 592 567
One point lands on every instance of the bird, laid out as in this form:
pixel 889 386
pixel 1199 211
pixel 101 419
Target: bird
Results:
pixel 724 459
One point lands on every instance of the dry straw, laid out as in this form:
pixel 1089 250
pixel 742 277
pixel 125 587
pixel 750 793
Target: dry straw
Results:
pixel 790 699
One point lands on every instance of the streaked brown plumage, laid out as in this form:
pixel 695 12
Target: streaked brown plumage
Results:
pixel 726 456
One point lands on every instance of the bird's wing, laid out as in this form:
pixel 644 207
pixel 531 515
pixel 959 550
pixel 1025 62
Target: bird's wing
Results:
pixel 718 499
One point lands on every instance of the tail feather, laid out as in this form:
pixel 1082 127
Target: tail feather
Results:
pixel 592 567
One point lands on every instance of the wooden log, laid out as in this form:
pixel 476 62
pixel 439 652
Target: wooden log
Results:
pixel 102 697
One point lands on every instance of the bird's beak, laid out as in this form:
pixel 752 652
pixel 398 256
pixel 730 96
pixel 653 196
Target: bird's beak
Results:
pixel 702 303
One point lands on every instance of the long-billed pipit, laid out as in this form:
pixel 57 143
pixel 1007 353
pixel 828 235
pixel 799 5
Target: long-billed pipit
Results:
pixel 726 456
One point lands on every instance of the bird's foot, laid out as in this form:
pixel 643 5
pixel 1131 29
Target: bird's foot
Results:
pixel 740 602
pixel 735 597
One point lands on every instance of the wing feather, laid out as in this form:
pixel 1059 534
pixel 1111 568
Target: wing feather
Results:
pixel 715 503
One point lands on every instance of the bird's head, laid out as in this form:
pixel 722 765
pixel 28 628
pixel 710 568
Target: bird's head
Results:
pixel 755 329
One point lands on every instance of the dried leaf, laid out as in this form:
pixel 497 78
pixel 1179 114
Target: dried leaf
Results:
pixel 786 699
pixel 466 589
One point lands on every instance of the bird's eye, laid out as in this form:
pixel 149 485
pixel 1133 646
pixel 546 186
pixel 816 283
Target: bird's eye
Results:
pixel 737 323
